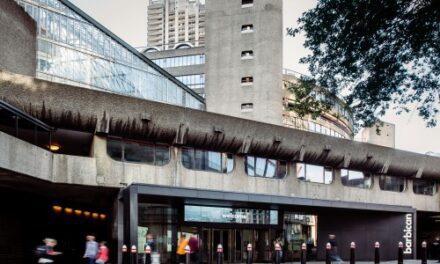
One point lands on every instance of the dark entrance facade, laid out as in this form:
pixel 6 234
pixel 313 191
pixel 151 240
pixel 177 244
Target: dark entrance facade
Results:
pixel 32 210
pixel 235 220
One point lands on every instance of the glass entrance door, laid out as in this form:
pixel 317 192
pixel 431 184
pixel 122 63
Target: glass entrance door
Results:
pixel 211 238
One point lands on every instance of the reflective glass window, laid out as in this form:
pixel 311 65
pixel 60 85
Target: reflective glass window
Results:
pixel 392 183
pixel 205 160
pixel 86 56
pixel 138 152
pixel 263 167
pixel 426 187
pixel 356 179
pixel 314 173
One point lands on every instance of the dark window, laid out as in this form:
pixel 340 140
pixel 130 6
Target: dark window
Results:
pixel 139 152
pixel 356 179
pixel 205 160
pixel 247 28
pixel 248 79
pixel 247 2
pixel 314 173
pixel 247 106
pixel 268 168
pixel 392 183
pixel 247 54
pixel 425 187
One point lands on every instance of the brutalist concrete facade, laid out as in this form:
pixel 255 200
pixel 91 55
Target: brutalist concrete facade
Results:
pixel 18 39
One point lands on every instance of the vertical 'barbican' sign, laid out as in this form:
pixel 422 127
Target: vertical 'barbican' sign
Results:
pixel 408 234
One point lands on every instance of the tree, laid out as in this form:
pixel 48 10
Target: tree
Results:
pixel 377 53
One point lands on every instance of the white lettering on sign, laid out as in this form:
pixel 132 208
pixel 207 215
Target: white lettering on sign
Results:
pixel 408 234
pixel 234 216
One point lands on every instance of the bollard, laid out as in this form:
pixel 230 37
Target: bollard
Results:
pixel 352 253
pixel 134 254
pixel 400 254
pixel 188 254
pixel 328 248
pixel 249 253
pixel 424 254
pixel 376 253
pixel 303 253
pixel 277 253
pixel 124 254
pixel 219 254
pixel 147 255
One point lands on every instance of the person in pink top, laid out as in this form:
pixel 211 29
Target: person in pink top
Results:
pixel 102 257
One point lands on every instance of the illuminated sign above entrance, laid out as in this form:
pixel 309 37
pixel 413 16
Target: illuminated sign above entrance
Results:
pixel 210 214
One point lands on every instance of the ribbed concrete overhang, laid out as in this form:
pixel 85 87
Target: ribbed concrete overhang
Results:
pixel 84 109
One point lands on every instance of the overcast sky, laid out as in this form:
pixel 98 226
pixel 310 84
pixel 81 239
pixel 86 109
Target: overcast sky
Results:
pixel 128 20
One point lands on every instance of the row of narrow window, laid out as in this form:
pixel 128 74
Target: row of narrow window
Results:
pixel 220 162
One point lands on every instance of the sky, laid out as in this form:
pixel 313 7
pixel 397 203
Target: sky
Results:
pixel 128 20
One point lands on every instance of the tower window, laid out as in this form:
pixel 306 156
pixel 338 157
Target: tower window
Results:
pixel 247 107
pixel 249 28
pixel 247 55
pixel 247 3
pixel 248 80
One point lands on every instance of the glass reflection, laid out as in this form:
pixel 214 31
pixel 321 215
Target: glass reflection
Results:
pixel 356 179
pixel 205 160
pixel 268 168
pixel 426 187
pixel 209 214
pixel 139 152
pixel 392 183
pixel 71 50
pixel 314 173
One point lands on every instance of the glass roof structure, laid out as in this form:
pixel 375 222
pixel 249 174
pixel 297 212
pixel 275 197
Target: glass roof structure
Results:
pixel 74 49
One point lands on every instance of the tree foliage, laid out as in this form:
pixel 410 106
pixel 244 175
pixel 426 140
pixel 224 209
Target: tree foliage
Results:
pixel 377 54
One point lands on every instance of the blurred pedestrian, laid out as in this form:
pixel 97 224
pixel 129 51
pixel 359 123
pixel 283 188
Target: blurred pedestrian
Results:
pixel 194 244
pixel 46 253
pixel 102 253
pixel 334 256
pixel 181 253
pixel 91 249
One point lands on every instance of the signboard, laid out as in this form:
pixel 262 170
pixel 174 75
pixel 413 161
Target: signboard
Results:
pixel 408 235
pixel 211 214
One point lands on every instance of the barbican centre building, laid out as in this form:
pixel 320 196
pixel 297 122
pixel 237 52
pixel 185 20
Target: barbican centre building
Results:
pixel 97 139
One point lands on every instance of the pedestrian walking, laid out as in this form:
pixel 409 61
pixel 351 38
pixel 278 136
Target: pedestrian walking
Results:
pixel 102 253
pixel 181 253
pixel 334 256
pixel 91 249
pixel 194 244
pixel 46 252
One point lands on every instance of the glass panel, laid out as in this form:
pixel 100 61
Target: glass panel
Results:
pixel 355 179
pixel 114 149
pixel 260 166
pixel 157 227
pixel 188 158
pixel 199 160
pixel 270 168
pixel 213 161
pixel 250 166
pixel 391 183
pixel 162 155
pixel 230 162
pixel 328 175
pixel 425 187
pixel 209 214
pixel 88 57
pixel 315 173
pixel 282 169
pixel 136 152
pixel 301 171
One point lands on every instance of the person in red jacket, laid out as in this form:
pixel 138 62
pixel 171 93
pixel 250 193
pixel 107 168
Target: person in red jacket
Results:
pixel 102 257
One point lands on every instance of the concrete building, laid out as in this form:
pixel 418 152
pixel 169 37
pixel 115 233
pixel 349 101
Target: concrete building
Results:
pixel 240 69
pixel 174 24
pixel 382 133
pixel 77 161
